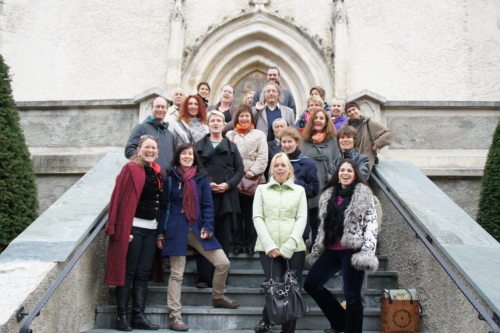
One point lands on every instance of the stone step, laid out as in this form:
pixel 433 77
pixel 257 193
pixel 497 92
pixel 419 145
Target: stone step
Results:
pixel 275 329
pixel 242 261
pixel 254 277
pixel 243 318
pixel 110 330
pixel 245 296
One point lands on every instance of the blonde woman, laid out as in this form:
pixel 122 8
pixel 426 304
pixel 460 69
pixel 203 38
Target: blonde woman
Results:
pixel 280 217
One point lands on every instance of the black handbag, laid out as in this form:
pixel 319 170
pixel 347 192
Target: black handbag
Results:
pixel 283 299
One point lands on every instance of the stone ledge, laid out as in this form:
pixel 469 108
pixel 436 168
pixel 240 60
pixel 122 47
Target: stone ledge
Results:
pixel 474 252
pixel 459 105
pixel 68 160
pixel 67 104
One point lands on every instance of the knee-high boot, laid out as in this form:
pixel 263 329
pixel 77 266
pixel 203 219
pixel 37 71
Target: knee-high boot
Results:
pixel 139 319
pixel 121 294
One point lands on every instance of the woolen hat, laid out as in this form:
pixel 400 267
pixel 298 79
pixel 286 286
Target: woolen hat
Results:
pixel 350 105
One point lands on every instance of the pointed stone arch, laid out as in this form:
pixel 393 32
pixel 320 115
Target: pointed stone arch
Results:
pixel 254 41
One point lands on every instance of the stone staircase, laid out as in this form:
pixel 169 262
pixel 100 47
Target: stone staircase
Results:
pixel 245 277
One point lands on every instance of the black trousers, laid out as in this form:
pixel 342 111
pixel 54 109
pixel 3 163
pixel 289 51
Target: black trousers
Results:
pixel 244 232
pixel 330 262
pixel 222 231
pixel 140 257
pixel 279 267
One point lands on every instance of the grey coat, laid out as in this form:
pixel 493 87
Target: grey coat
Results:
pixel 166 147
pixel 261 118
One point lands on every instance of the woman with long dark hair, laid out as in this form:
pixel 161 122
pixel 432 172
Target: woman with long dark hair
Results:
pixel 189 221
pixel 347 240
pixel 131 228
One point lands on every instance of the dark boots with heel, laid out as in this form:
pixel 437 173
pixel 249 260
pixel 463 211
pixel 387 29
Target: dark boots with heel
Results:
pixel 121 294
pixel 139 319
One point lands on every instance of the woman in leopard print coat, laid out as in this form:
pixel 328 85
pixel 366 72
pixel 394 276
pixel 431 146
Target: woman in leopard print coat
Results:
pixel 346 242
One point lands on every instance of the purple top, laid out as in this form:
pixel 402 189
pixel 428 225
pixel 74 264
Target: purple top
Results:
pixel 340 121
pixel 337 246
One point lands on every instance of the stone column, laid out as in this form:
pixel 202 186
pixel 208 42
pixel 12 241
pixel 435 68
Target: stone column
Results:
pixel 340 48
pixel 175 46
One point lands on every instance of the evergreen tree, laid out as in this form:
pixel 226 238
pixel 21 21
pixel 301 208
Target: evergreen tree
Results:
pixel 18 198
pixel 489 201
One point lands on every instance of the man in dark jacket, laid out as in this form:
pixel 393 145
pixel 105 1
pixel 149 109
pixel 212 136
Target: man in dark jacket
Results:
pixel 286 98
pixel 155 126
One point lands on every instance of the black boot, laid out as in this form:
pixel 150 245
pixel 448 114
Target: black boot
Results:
pixel 139 319
pixel 121 294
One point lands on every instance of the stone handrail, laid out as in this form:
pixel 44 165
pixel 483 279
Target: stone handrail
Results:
pixel 48 243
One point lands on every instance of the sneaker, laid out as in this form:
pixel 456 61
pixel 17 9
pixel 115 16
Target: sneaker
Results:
pixel 262 327
pixel 225 302
pixel 176 324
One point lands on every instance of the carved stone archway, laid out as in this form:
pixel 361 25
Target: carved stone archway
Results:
pixel 255 41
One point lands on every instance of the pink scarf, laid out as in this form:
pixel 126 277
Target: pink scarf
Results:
pixel 189 194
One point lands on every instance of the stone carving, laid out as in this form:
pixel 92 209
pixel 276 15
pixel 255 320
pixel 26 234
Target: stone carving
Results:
pixel 177 13
pixel 259 4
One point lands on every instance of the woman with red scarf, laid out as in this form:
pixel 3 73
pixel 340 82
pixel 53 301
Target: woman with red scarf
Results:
pixel 131 229
pixel 252 144
pixel 189 221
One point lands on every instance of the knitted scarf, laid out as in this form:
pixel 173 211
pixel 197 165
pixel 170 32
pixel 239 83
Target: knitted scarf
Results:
pixel 189 194
pixel 242 129
pixel 334 221
pixel 318 137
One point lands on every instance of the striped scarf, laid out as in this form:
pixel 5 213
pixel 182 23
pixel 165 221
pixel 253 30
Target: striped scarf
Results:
pixel 189 194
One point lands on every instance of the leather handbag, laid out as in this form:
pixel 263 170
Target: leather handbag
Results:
pixel 248 186
pixel 400 311
pixel 283 299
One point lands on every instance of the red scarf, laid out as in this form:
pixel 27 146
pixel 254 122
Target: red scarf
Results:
pixel 157 169
pixel 189 194
pixel 242 129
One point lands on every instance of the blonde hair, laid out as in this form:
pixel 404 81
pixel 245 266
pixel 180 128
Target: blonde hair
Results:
pixel 285 159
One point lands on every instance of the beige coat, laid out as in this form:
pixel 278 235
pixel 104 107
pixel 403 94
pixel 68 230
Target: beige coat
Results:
pixel 380 135
pixel 253 149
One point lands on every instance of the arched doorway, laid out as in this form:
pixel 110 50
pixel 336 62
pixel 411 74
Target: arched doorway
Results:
pixel 239 52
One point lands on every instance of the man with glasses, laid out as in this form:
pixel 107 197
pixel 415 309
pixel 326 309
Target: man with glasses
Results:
pixel 155 126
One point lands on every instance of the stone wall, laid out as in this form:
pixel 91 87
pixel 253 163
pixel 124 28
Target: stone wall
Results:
pixel 445 308
pixel 415 50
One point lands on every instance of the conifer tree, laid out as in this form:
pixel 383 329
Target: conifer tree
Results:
pixel 489 201
pixel 18 198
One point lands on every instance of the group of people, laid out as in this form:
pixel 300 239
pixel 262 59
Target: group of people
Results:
pixel 180 190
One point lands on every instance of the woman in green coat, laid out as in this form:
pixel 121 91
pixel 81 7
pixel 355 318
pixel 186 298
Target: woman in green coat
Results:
pixel 280 217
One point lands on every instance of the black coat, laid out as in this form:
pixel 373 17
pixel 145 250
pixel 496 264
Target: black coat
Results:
pixel 223 164
pixel 306 175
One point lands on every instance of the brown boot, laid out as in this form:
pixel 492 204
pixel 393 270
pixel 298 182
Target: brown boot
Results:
pixel 176 324
pixel 225 302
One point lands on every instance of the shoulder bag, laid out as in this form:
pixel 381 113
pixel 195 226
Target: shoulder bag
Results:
pixel 248 186
pixel 283 299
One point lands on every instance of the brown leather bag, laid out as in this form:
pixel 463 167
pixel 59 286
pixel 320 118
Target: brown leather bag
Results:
pixel 247 186
pixel 399 315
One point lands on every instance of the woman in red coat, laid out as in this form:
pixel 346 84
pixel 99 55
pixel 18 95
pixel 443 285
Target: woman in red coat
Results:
pixel 132 233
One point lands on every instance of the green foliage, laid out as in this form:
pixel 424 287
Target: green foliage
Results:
pixel 18 198
pixel 489 202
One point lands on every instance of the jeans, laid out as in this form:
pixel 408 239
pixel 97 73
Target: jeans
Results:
pixel 296 263
pixel 330 262
pixel 140 257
